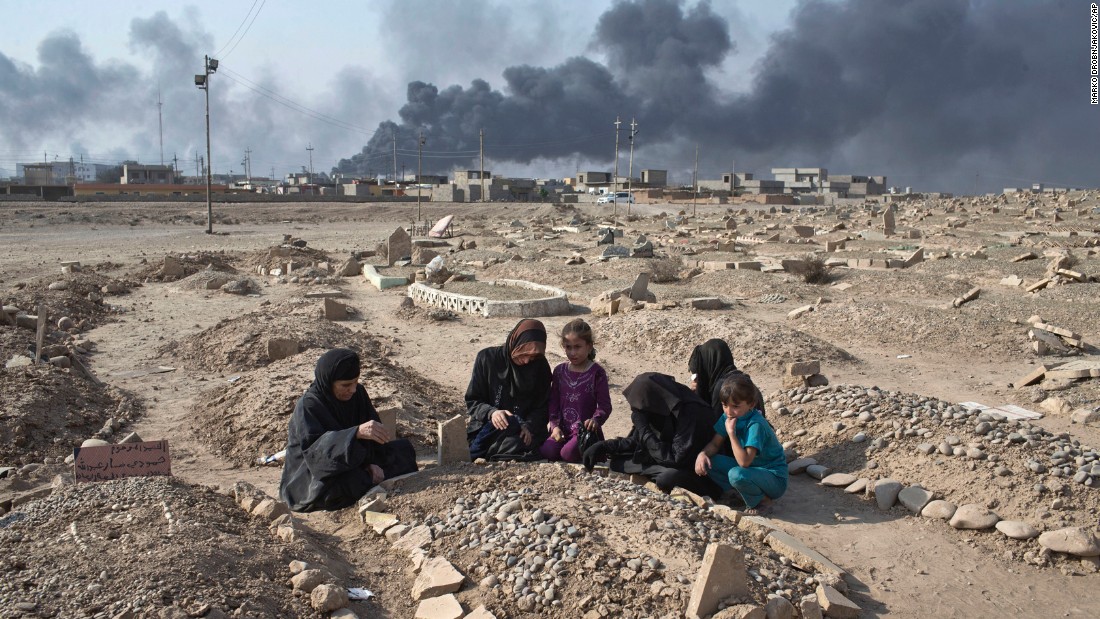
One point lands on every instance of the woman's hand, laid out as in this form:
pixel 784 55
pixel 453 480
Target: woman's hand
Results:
pixel 376 474
pixel 500 419
pixel 373 431
pixel 555 433
pixel 592 425
pixel 526 435
pixel 702 464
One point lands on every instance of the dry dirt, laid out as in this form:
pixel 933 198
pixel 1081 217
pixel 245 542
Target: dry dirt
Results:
pixel 189 364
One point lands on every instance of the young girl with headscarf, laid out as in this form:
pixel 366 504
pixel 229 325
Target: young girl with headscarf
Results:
pixel 508 396
pixel 338 448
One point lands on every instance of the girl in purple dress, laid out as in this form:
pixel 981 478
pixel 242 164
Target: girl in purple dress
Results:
pixel 579 395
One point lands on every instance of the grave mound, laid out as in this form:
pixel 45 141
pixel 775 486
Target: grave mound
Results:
pixel 152 547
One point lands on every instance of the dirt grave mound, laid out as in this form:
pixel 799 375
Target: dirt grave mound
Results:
pixel 1014 468
pixel 79 296
pixel 278 256
pixel 185 265
pixel 242 343
pixel 143 547
pixel 547 540
pixel 756 345
pixel 249 418
pixel 48 411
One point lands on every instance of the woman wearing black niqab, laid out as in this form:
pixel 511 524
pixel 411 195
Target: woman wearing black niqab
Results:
pixel 509 394
pixel 671 425
pixel 711 363
pixel 338 447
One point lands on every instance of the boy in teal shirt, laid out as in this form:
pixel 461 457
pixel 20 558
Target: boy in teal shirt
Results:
pixel 758 469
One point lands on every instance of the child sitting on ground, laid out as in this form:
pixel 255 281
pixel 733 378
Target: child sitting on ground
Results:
pixel 579 395
pixel 757 472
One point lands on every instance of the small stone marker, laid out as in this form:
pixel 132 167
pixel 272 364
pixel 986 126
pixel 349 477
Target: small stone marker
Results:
pixel 721 575
pixel 804 368
pixel 803 231
pixel 707 303
pixel 388 417
pixel 281 348
pixel 335 310
pixel 104 463
pixel 914 498
pixel 640 289
pixel 453 445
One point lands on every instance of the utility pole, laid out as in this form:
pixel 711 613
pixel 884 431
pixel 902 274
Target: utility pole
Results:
pixel 394 135
pixel 615 174
pixel 481 135
pixel 160 124
pixel 175 167
pixel 198 166
pixel 419 172
pixel 203 81
pixel 310 149
pixel 695 182
pixel 630 169
pixel 248 164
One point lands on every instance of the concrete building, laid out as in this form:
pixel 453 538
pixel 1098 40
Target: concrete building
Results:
pixel 146 175
pixel 654 178
pixel 859 186
pixel 594 182
pixel 801 180
pixel 64 172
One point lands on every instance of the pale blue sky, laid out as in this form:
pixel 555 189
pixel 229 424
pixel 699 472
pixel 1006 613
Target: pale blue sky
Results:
pixel 309 53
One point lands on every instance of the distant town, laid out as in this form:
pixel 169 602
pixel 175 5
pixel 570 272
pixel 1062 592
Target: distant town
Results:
pixel 61 180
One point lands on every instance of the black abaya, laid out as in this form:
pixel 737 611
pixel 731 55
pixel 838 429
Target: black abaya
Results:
pixel 326 466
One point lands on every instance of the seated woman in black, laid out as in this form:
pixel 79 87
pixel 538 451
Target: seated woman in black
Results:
pixel 710 364
pixel 509 395
pixel 671 426
pixel 338 448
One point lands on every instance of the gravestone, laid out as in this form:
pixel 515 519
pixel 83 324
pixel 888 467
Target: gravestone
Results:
pixel 640 289
pixel 398 246
pixel 888 221
pixel 453 446
pixel 335 310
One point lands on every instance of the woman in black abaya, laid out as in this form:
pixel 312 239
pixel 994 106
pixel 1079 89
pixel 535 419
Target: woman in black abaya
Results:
pixel 671 426
pixel 508 397
pixel 338 448
pixel 710 364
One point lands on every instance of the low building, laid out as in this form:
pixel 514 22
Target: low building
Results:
pixel 146 174
pixel 654 178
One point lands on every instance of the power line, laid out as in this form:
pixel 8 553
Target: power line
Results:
pixel 246 29
pixel 230 39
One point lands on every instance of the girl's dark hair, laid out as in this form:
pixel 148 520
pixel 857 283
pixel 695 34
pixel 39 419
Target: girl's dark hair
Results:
pixel 581 329
pixel 736 389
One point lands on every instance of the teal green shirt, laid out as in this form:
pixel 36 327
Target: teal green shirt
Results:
pixel 754 431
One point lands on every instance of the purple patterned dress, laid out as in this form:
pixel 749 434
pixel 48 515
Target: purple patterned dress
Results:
pixel 574 398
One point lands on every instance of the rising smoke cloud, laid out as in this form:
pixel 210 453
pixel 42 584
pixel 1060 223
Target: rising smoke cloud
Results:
pixel 942 94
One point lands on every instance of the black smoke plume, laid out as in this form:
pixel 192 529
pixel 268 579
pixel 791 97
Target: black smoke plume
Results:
pixel 940 94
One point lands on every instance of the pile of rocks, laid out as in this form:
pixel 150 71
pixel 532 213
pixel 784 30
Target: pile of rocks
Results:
pixel 893 430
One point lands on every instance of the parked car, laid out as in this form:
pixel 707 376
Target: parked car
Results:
pixel 619 197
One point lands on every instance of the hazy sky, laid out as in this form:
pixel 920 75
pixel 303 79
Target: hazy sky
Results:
pixel 939 94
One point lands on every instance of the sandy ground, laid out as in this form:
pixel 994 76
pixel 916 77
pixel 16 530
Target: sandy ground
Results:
pixel 901 566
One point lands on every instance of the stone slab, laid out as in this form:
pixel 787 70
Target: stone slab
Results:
pixel 800 554
pixel 453 445
pixel 379 281
pixel 721 575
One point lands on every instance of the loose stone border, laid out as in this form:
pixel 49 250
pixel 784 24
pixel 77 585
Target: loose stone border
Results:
pixel 437 579
pixel 555 304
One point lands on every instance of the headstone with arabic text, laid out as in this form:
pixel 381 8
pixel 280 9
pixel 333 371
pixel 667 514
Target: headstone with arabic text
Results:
pixel 145 459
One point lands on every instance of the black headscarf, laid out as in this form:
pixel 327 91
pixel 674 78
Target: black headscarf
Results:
pixel 658 394
pixel 534 377
pixel 710 361
pixel 337 364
